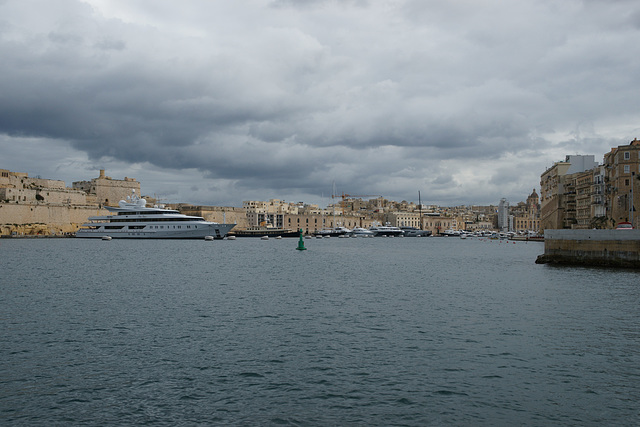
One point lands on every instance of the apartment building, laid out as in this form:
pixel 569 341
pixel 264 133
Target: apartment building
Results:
pixel 598 199
pixel 622 187
pixel 503 215
pixel 583 200
pixel 558 192
pixel 580 194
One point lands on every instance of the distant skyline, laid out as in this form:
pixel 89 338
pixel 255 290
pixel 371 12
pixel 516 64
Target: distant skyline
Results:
pixel 216 102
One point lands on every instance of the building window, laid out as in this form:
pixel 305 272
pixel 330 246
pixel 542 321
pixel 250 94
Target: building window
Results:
pixel 627 155
pixel 626 182
pixel 626 168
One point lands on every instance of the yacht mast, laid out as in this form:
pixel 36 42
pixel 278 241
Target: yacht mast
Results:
pixel 420 209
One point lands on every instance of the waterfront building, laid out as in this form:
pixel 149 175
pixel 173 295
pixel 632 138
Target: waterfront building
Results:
pixel 526 215
pixel 403 218
pixel 437 223
pixel 622 187
pixel 598 198
pixel 312 223
pixel 551 186
pixel 558 191
pixel 259 213
pixel 583 190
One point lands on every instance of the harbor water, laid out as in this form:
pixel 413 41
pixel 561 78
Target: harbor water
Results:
pixel 382 331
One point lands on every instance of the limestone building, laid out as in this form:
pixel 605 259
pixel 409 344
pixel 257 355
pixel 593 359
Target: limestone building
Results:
pixel 259 213
pixel 558 201
pixel 622 187
pixel 526 216
pixel 598 199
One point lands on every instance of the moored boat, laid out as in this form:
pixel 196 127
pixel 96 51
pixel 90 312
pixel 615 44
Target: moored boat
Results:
pixel 386 230
pixel 415 232
pixel 361 232
pixel 332 232
pixel 133 220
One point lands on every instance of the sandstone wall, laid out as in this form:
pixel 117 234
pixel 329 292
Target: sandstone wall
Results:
pixel 31 219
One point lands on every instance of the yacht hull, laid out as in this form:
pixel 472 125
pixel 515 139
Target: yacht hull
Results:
pixel 218 231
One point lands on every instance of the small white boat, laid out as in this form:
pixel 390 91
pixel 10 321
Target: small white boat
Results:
pixel 106 237
pixel 208 237
pixel 264 238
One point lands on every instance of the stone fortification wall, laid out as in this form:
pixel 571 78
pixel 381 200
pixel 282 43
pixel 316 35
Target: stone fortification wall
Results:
pixel 30 219
pixel 610 248
pixel 22 180
pixel 52 195
pixel 109 191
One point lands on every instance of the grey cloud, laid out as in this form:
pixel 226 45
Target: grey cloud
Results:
pixel 294 95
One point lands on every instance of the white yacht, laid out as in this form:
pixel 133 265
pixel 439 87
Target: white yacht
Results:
pixel 415 232
pixel 133 220
pixel 386 230
pixel 333 232
pixel 361 232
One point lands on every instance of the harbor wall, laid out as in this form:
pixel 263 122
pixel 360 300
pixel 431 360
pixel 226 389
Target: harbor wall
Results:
pixel 606 248
pixel 34 219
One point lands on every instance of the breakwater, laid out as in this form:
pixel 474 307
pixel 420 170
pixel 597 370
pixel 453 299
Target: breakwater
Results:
pixel 606 248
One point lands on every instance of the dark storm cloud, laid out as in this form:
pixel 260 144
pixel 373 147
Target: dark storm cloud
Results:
pixel 468 99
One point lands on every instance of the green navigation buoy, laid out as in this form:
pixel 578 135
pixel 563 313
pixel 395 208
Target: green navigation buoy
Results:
pixel 301 243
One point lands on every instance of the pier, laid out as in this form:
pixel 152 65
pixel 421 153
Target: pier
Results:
pixel 603 248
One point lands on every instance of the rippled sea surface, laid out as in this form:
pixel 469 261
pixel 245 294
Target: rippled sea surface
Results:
pixel 413 331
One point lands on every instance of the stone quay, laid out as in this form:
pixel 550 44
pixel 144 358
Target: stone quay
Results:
pixel 598 248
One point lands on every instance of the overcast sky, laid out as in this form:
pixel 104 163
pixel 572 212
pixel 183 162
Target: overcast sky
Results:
pixel 216 102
